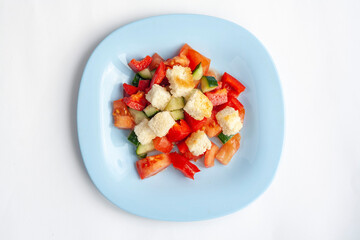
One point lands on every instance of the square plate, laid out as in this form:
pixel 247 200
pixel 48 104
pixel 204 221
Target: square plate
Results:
pixel 217 191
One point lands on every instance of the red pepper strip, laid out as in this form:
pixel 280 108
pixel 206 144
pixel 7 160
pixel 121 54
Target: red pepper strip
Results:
pixel 179 131
pixel 182 164
pixel 194 124
pixel 159 75
pixel 143 84
pixel 183 148
pixel 136 101
pixel 218 96
pixel 233 82
pixel 138 66
pixel 130 89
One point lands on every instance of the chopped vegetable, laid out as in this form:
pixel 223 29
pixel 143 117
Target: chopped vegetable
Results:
pixel 177 114
pixel 143 84
pixel 156 60
pixel 162 144
pixel 175 103
pixel 218 96
pixel 136 79
pixel 122 116
pixel 198 72
pixel 145 73
pixel 208 84
pixel 184 165
pixel 195 58
pixel 159 74
pixel 228 150
pixel 233 82
pixel 137 115
pixel 150 111
pixel 136 101
pixel 193 123
pixel 137 66
pixel 224 138
pixel 179 131
pixel 133 139
pixel 152 165
pixel 183 148
pixel 130 89
pixel 210 155
pixel 144 148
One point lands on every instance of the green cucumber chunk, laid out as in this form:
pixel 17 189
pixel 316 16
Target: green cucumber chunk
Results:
pixel 224 138
pixel 177 114
pixel 146 74
pixel 133 139
pixel 136 79
pixel 198 72
pixel 138 115
pixel 142 156
pixel 208 83
pixel 151 110
pixel 175 104
pixel 143 149
pixel 152 72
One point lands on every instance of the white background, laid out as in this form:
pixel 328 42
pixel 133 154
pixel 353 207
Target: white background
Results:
pixel 45 192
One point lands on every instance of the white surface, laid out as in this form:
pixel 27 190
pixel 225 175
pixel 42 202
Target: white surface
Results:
pixel 45 192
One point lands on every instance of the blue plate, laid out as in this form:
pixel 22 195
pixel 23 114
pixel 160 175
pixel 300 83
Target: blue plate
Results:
pixel 217 191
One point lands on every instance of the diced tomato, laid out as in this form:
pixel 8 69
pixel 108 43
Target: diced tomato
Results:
pixel 136 101
pixel 122 116
pixel 159 74
pixel 179 131
pixel 237 105
pixel 230 90
pixel 212 128
pixel 228 150
pixel 143 84
pixel 210 155
pixel 130 89
pixel 195 58
pixel 156 60
pixel 162 144
pixel 218 96
pixel 194 124
pixel 184 165
pixel 183 148
pixel 152 165
pixel 138 66
pixel 233 82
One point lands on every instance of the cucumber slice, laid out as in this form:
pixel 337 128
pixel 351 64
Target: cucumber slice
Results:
pixel 177 114
pixel 198 72
pixel 224 138
pixel 142 156
pixel 133 139
pixel 152 72
pixel 151 110
pixel 208 83
pixel 175 104
pixel 138 115
pixel 146 74
pixel 136 79
pixel 143 149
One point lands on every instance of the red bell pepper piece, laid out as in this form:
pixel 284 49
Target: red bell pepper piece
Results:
pixel 143 84
pixel 179 131
pixel 231 91
pixel 182 164
pixel 156 60
pixel 138 66
pixel 136 101
pixel 159 75
pixel 130 89
pixel 183 148
pixel 210 155
pixel 233 82
pixel 193 123
pixel 162 144
pixel 218 96
pixel 234 103
pixel 152 165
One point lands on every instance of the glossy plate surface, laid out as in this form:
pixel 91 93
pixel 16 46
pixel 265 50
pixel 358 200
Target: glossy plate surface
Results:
pixel 220 190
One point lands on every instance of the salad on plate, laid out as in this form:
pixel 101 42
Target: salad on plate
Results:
pixel 180 103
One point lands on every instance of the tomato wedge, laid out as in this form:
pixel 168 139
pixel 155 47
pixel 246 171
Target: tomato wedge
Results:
pixel 130 89
pixel 193 123
pixel 228 150
pixel 183 148
pixel 233 82
pixel 159 74
pixel 210 155
pixel 136 101
pixel 138 66
pixel 218 96
pixel 212 128
pixel 179 131
pixel 156 60
pixel 122 116
pixel 195 58
pixel 152 165
pixel 184 165
pixel 162 144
